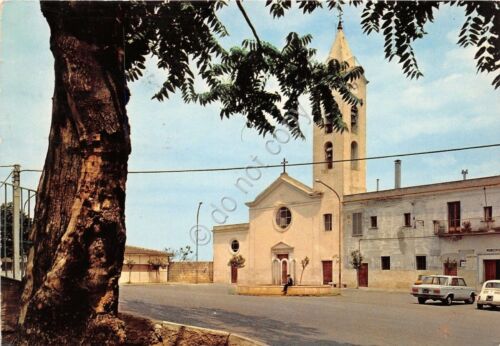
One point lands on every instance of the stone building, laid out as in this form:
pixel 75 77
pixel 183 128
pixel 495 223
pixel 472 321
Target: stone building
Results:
pixel 446 228
pixel 450 227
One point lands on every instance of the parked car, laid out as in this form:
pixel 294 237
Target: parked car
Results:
pixel 445 288
pixel 490 294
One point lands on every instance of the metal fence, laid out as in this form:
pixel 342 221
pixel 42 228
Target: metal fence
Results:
pixel 16 219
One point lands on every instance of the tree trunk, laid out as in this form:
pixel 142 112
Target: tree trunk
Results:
pixel 71 290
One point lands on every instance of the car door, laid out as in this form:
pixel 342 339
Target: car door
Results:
pixel 465 291
pixel 456 290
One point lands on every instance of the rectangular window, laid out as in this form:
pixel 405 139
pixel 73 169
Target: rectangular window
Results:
pixel 328 219
pixel 385 262
pixel 407 220
pixel 373 221
pixel 488 213
pixel 356 224
pixel 421 263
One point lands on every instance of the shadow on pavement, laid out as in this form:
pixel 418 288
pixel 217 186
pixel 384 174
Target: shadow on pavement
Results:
pixel 269 330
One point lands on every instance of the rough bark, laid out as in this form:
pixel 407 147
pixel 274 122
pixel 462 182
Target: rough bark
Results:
pixel 71 290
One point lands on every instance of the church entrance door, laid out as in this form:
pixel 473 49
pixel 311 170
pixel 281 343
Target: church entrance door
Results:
pixel 234 274
pixel 284 267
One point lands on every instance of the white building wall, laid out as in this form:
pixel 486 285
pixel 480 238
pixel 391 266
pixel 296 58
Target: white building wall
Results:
pixel 403 244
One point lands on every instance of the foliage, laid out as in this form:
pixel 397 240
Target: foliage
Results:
pixel 402 23
pixel 304 262
pixel 6 213
pixel 237 261
pixel 129 263
pixel 356 259
pixel 238 78
pixel 182 254
pixel 157 263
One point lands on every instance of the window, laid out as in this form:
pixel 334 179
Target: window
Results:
pixel 354 155
pixel 235 245
pixel 328 219
pixel 454 282
pixel 354 118
pixel 283 217
pixel 461 282
pixel 421 263
pixel 453 216
pixel 386 262
pixel 407 220
pixel 329 154
pixel 328 127
pixel 373 221
pixel 488 213
pixel 356 224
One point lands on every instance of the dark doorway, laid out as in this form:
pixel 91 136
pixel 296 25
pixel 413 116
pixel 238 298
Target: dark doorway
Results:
pixel 491 270
pixel 327 272
pixel 284 268
pixel 363 275
pixel 450 268
pixel 234 274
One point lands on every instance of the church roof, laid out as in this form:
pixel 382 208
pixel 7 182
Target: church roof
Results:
pixel 285 179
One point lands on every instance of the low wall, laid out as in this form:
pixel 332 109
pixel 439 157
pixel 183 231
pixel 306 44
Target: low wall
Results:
pixel 142 331
pixel 264 290
pixel 191 272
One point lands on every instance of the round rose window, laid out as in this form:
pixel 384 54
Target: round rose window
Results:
pixel 283 217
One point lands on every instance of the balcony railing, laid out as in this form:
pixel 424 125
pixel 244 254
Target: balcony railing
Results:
pixel 466 226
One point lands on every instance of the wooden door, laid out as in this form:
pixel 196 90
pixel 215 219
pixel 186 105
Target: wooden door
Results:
pixel 234 274
pixel 450 269
pixel 490 270
pixel 327 272
pixel 363 275
pixel 453 217
pixel 284 268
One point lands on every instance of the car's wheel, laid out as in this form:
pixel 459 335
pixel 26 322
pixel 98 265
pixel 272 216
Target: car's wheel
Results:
pixel 448 300
pixel 421 300
pixel 480 306
pixel 471 299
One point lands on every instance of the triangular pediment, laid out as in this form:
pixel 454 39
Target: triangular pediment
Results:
pixel 285 179
pixel 281 247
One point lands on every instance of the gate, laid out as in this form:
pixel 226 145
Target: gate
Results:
pixel 17 206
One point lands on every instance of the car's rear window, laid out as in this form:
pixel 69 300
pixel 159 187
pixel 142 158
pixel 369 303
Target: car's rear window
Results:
pixel 493 285
pixel 434 280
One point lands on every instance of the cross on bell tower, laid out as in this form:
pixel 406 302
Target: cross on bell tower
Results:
pixel 284 162
pixel 339 27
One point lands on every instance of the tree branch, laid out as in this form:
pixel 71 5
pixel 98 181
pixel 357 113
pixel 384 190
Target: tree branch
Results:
pixel 242 10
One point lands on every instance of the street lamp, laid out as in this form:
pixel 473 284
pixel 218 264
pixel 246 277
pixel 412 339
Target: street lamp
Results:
pixel 340 229
pixel 197 229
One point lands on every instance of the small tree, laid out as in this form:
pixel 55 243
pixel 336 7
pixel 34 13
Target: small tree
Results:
pixel 182 255
pixel 130 264
pixel 356 261
pixel 237 261
pixel 304 263
pixel 156 263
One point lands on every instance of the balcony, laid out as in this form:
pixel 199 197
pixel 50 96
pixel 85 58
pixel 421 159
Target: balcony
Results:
pixel 471 226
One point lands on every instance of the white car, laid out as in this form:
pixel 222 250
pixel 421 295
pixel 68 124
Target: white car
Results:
pixel 444 288
pixel 490 294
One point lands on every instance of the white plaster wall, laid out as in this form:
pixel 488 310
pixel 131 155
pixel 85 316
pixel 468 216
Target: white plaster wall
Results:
pixel 223 253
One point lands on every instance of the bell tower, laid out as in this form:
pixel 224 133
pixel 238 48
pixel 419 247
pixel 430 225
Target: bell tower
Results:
pixel 344 177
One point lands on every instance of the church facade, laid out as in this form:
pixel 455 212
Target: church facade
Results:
pixel 290 221
pixel 446 228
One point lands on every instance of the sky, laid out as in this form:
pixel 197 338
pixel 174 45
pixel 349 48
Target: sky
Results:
pixel 451 106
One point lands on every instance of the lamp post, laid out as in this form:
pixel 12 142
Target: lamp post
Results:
pixel 197 229
pixel 340 229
